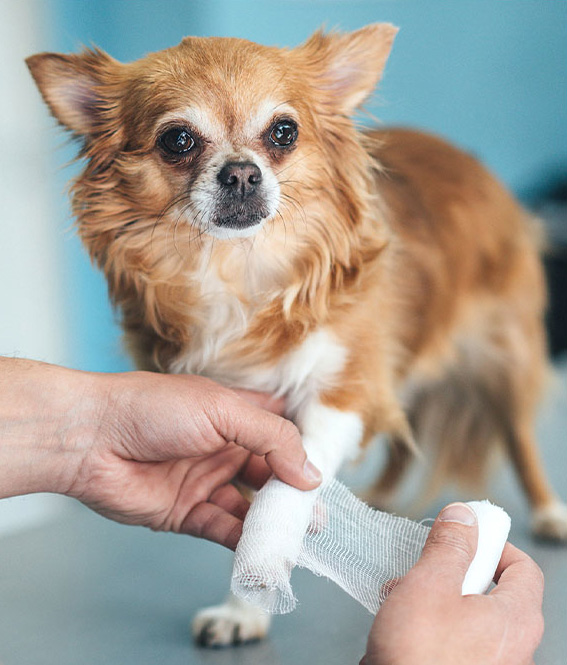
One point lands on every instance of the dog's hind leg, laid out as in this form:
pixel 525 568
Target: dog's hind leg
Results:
pixel 232 623
pixel 508 375
pixel 399 457
pixel 549 514
pixel 524 375
pixel 487 396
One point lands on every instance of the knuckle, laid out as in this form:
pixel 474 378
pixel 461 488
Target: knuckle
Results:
pixel 537 571
pixel 453 537
pixel 194 524
pixel 287 435
pixel 233 536
pixel 534 577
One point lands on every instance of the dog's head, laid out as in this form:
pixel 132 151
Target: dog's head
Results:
pixel 220 134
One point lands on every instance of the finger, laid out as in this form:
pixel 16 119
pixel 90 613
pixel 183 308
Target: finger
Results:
pixel 212 522
pixel 448 551
pixel 194 480
pixel 519 593
pixel 255 473
pixel 511 560
pixel 197 416
pixel 230 499
pixel 387 588
pixel 518 578
pixel 266 434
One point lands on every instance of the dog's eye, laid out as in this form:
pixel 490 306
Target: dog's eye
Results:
pixel 283 133
pixel 177 140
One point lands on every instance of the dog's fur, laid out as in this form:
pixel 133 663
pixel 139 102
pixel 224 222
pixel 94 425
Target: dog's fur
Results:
pixel 381 273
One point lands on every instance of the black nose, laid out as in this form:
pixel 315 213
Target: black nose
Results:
pixel 240 177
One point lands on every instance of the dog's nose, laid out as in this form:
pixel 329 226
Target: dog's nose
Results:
pixel 240 177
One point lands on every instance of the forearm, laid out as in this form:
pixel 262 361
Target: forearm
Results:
pixel 46 421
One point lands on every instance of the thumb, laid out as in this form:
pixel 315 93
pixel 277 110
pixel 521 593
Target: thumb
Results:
pixel 449 550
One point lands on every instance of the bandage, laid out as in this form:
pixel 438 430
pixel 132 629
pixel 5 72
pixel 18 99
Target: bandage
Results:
pixel 334 534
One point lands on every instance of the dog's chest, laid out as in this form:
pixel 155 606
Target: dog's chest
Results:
pixel 218 317
pixel 222 319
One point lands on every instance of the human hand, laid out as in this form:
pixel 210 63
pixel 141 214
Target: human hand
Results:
pixel 145 448
pixel 426 620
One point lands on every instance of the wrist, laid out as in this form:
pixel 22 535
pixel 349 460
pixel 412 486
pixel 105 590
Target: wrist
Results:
pixel 47 423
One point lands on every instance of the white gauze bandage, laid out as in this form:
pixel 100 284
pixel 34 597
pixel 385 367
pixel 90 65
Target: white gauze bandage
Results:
pixel 360 549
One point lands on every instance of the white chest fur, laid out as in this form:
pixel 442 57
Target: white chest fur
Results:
pixel 221 317
pixel 301 374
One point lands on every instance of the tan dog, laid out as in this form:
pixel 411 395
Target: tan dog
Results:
pixel 381 280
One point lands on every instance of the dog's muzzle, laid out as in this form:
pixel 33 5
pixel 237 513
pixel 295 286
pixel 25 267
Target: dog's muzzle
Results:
pixel 241 197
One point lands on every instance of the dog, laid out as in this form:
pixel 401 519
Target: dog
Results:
pixel 380 279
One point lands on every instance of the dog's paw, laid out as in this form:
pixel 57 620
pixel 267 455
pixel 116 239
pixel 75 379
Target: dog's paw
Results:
pixel 229 624
pixel 550 522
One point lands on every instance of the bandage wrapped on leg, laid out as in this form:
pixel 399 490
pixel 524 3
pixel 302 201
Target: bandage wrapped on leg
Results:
pixel 360 549
pixel 270 544
pixel 274 531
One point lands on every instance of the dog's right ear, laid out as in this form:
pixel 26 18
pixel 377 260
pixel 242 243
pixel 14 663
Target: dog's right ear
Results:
pixel 80 90
pixel 345 67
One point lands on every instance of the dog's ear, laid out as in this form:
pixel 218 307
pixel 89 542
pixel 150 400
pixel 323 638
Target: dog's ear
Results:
pixel 80 90
pixel 346 67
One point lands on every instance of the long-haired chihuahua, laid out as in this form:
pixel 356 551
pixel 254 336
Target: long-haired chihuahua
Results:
pixel 380 279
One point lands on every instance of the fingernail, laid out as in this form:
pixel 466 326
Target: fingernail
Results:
pixel 458 512
pixel 311 472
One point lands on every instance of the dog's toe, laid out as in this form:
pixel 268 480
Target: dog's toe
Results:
pixel 550 522
pixel 227 625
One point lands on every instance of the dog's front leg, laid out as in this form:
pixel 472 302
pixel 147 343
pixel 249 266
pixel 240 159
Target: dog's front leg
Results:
pixel 280 514
pixel 231 623
pixel 276 524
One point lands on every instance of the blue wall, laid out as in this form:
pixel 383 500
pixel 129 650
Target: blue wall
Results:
pixel 491 75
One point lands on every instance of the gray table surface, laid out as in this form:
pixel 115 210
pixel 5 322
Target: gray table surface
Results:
pixel 81 590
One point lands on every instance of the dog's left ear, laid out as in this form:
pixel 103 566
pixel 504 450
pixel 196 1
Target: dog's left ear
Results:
pixel 80 89
pixel 346 67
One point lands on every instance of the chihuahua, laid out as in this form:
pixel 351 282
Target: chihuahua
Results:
pixel 250 231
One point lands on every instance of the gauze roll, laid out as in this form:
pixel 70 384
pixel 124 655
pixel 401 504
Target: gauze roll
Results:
pixel 360 549
pixel 493 529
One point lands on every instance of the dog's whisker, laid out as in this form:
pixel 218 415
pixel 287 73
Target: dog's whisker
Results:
pixel 294 163
pixel 295 205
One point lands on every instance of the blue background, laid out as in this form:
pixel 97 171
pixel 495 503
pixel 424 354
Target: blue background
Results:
pixel 489 74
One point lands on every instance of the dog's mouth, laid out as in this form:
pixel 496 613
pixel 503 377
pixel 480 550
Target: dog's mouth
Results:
pixel 239 218
pixel 236 201
pixel 241 200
